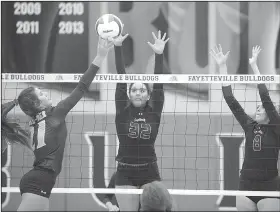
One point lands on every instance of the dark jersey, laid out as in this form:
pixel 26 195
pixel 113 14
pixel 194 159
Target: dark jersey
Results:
pixel 137 128
pixel 262 140
pixel 51 132
pixel 111 197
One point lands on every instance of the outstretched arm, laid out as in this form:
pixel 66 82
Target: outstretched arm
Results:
pixel 157 96
pixel 268 105
pixel 121 89
pixel 233 104
pixel 67 104
pixel 64 106
pixel 238 112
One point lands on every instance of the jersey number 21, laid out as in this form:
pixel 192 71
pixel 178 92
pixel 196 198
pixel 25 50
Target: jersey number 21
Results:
pixel 141 130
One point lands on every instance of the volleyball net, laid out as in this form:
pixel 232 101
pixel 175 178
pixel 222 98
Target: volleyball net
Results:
pixel 200 145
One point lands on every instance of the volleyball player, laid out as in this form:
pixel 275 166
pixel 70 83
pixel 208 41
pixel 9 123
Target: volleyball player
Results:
pixel 259 170
pixel 137 121
pixel 48 135
pixel 156 197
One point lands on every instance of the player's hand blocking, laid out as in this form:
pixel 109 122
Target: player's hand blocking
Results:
pixel 255 53
pixel 219 56
pixel 119 40
pixel 253 60
pixel 104 47
pixel 112 207
pixel 159 44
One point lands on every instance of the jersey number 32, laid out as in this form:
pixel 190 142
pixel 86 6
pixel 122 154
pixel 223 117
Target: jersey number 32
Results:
pixel 141 130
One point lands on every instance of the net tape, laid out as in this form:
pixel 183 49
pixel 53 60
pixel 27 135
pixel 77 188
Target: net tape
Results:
pixel 144 78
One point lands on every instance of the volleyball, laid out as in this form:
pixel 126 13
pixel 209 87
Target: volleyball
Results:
pixel 108 26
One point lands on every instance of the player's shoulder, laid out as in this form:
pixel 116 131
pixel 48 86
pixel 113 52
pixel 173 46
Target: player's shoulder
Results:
pixel 148 108
pixel 54 116
pixel 51 111
pixel 151 112
pixel 122 114
pixel 125 111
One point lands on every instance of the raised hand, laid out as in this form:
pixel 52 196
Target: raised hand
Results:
pixel 114 208
pixel 159 44
pixel 104 47
pixel 219 56
pixel 255 53
pixel 118 40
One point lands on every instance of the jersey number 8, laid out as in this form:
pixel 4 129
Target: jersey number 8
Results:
pixel 141 130
pixel 257 143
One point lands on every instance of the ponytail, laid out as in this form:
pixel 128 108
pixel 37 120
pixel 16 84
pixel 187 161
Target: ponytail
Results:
pixel 7 107
pixel 12 132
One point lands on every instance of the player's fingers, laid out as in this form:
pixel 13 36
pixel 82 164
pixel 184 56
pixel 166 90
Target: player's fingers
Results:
pixel 226 55
pixel 159 34
pixel 163 37
pixel 214 56
pixel 101 41
pixel 111 39
pixel 213 51
pixel 220 48
pixel 216 49
pixel 151 45
pixel 110 45
pixel 115 209
pixel 107 42
pixel 124 37
pixel 166 40
pixel 154 36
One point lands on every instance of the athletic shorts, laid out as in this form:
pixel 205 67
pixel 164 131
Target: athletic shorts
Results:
pixel 38 181
pixel 137 175
pixel 256 185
